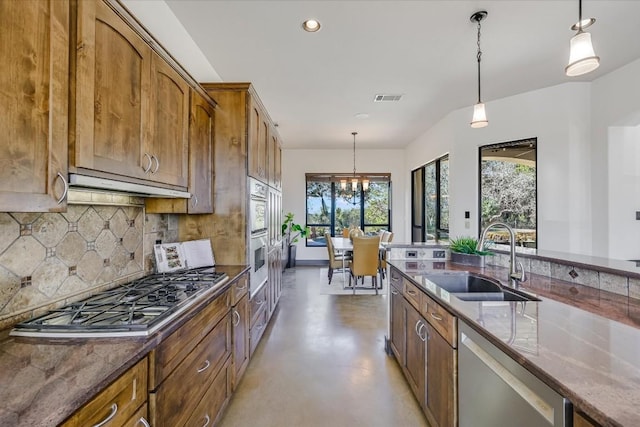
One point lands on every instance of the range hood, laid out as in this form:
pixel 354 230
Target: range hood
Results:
pixel 85 181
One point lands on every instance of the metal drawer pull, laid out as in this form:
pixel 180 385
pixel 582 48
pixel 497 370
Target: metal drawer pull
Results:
pixel 66 188
pixel 416 327
pixel 394 292
pixel 205 367
pixel 435 316
pixel 243 287
pixel 157 163
pixel 426 334
pixel 235 313
pixel 195 200
pixel 144 422
pixel 206 420
pixel 148 168
pixel 114 410
pixel 410 292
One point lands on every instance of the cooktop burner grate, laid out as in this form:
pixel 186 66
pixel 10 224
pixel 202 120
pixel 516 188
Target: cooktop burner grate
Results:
pixel 136 308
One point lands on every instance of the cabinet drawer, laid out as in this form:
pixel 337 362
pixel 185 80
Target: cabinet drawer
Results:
pixel 411 293
pixel 442 321
pixel 179 394
pixel 117 403
pixel 258 328
pixel 239 289
pixel 139 418
pixel 258 302
pixel 214 400
pixel 396 279
pixel 175 348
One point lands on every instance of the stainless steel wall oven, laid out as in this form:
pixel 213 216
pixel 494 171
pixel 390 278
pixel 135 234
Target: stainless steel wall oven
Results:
pixel 258 223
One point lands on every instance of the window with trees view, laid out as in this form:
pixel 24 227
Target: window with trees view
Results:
pixel 330 209
pixel 430 201
pixel 508 190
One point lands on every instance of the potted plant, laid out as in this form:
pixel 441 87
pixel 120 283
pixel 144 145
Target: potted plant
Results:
pixel 464 250
pixel 292 233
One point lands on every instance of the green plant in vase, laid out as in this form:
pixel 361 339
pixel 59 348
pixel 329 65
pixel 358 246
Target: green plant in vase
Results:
pixel 292 233
pixel 464 250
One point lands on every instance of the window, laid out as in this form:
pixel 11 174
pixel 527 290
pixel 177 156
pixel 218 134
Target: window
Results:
pixel 508 190
pixel 330 209
pixel 430 201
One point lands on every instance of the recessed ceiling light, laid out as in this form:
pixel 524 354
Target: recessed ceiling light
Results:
pixel 362 116
pixel 311 25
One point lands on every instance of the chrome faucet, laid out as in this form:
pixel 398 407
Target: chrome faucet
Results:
pixel 515 276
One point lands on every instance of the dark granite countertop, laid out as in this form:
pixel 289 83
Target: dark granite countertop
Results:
pixel 582 342
pixel 43 381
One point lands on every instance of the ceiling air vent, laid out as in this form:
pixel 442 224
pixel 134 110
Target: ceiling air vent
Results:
pixel 387 98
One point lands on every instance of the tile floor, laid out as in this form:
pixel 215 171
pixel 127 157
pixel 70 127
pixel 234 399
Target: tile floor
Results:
pixel 321 362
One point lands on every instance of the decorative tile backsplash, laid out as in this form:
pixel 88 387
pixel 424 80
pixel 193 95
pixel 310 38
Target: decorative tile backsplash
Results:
pixel 49 259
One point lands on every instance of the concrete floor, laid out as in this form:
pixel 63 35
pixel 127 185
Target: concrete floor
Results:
pixel 321 362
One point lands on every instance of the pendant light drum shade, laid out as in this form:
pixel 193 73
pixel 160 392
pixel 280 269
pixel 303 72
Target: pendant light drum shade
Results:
pixel 479 119
pixel 582 58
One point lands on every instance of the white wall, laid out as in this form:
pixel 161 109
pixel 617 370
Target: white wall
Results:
pixel 624 192
pixel 295 163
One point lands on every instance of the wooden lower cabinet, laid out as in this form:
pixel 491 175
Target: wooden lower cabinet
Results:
pixel 424 344
pixel 240 339
pixel 123 403
pixel 581 420
pixel 185 367
pixel 215 400
pixel 414 365
pixel 396 339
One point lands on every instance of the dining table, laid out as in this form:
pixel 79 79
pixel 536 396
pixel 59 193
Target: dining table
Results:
pixel 342 245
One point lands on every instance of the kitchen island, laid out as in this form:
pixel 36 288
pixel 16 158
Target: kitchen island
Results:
pixel 588 357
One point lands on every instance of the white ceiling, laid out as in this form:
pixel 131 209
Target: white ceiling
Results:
pixel 313 84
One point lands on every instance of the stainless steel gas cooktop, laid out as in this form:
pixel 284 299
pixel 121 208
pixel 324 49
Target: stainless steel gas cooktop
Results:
pixel 137 308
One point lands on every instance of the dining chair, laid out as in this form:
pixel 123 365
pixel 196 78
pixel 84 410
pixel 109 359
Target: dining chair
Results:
pixel 336 261
pixel 365 260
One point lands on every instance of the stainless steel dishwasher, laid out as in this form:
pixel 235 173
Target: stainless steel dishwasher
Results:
pixel 494 390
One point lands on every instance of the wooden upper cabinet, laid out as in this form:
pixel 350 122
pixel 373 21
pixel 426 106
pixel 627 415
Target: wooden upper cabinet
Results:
pixel 274 160
pixel 34 47
pixel 201 155
pixel 113 73
pixel 168 141
pixel 258 141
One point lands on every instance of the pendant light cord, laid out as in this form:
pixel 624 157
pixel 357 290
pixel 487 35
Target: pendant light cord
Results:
pixel 354 153
pixel 479 56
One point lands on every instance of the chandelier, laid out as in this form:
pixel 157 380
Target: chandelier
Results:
pixel 354 179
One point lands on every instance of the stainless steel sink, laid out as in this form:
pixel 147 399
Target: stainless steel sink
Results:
pixel 470 287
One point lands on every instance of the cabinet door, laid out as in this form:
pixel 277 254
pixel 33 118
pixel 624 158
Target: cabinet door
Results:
pixel 397 325
pixel 201 155
pixel 112 94
pixel 258 134
pixel 415 351
pixel 240 338
pixel 278 164
pixel 168 140
pixel 271 157
pixel 34 110
pixel 441 382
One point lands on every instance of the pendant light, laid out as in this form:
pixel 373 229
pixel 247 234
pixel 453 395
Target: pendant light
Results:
pixel 354 178
pixel 479 119
pixel 582 58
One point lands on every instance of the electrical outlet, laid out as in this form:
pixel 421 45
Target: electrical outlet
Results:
pixel 158 242
pixel 438 254
pixel 411 254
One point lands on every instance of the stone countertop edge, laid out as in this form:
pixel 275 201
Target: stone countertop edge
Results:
pixel 45 380
pixel 589 359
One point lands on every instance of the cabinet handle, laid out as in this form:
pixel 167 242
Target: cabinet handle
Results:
pixel 394 292
pixel 419 331
pixel 235 313
pixel 148 168
pixel 416 327
pixel 195 200
pixel 243 287
pixel 412 293
pixel 260 302
pixel 206 420
pixel 144 422
pixel 205 367
pixel 153 156
pixel 66 188
pixel 114 410
pixel 435 316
